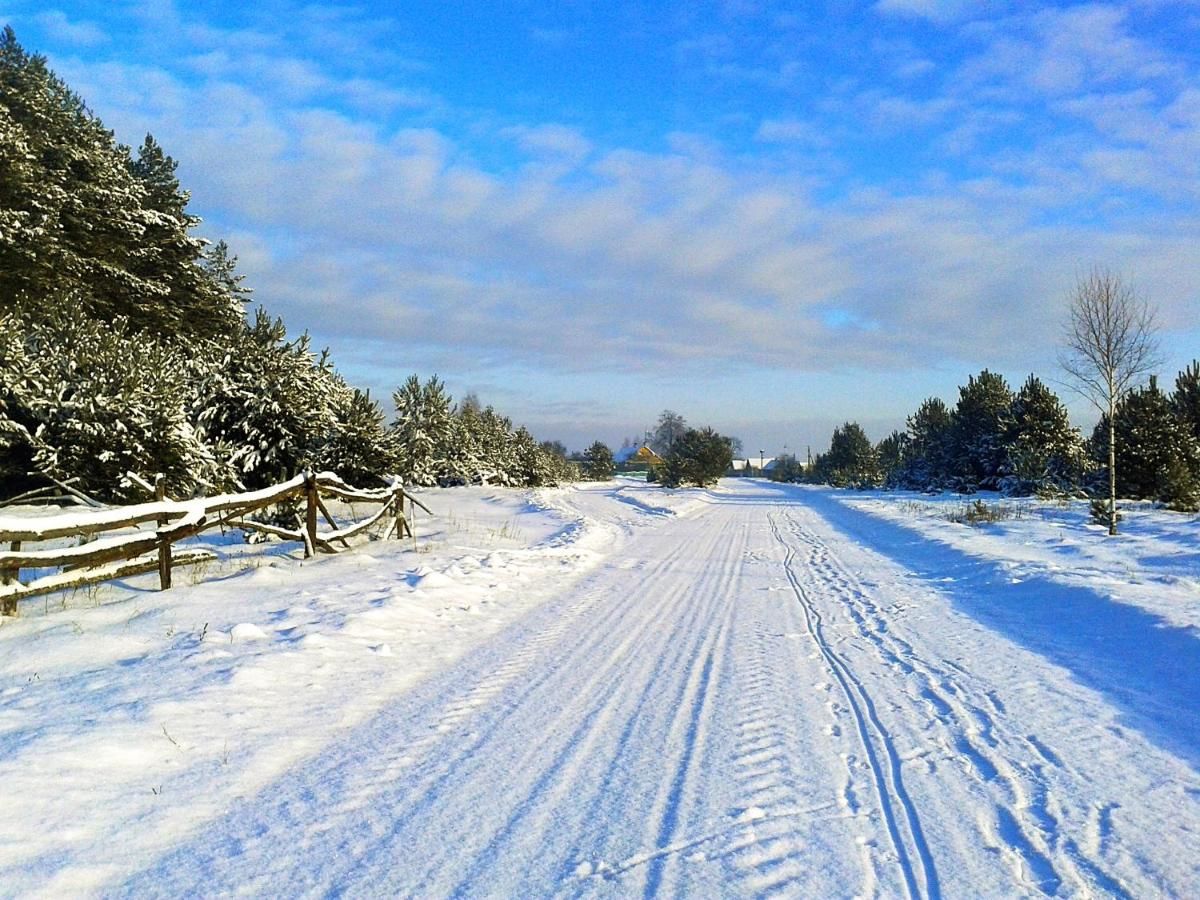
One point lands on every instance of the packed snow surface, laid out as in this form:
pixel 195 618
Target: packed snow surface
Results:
pixel 616 690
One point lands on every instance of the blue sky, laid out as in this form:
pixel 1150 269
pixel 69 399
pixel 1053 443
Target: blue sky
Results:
pixel 770 217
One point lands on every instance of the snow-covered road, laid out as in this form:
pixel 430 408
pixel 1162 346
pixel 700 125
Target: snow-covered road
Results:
pixel 739 699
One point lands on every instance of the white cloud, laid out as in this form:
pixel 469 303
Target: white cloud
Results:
pixel 575 255
pixel 556 140
pixel 792 131
pixel 1062 51
pixel 934 10
pixel 79 33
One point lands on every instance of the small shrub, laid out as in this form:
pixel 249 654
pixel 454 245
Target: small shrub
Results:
pixel 1099 513
pixel 979 513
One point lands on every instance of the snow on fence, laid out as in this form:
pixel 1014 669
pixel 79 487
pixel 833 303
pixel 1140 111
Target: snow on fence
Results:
pixel 105 559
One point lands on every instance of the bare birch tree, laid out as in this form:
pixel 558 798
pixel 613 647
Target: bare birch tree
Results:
pixel 1111 343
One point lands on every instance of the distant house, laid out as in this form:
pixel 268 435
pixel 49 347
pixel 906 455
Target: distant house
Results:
pixel 625 454
pixel 755 466
pixel 637 458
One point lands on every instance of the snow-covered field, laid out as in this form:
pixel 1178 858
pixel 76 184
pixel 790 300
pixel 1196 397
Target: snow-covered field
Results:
pixel 611 690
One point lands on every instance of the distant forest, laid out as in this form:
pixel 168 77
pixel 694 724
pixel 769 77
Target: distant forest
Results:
pixel 1023 443
pixel 126 344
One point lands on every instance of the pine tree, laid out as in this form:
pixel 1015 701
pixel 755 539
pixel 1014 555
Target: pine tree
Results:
pixel 699 457
pixel 531 466
pixel 199 297
pixel 497 455
pixel 266 402
pixel 1044 451
pixel 464 462
pixel 1186 399
pixel 83 220
pixel 91 402
pixel 850 460
pixel 598 462
pixel 359 447
pixel 422 431
pixel 1157 458
pixel 927 452
pixel 982 420
pixel 890 454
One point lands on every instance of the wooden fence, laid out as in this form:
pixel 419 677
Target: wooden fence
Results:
pixel 105 559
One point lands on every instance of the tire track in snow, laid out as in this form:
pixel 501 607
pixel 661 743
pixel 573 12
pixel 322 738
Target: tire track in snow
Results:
pixel 352 801
pixel 769 851
pixel 695 653
pixel 584 719
pixel 1022 822
pixel 632 647
pixel 689 729
pixel 898 812
pixel 968 727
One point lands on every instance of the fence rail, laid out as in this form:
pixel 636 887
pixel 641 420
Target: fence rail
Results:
pixel 107 558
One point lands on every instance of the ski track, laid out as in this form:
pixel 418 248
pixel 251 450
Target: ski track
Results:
pixel 1021 820
pixel 903 823
pixel 696 718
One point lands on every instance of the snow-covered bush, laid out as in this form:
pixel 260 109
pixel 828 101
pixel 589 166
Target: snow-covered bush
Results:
pixel 267 402
pixel 92 402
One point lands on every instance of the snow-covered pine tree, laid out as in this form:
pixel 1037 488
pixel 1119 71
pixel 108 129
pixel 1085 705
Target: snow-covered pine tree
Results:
pixel 1044 451
pixel 497 449
pixel 535 466
pixel 981 421
pixel 92 402
pixel 17 397
pixel 220 268
pixel 850 460
pixel 80 217
pixel 559 468
pixel 1186 398
pixel 359 447
pixel 890 454
pixel 422 430
pixel 269 402
pixel 71 196
pixel 698 456
pixel 196 302
pixel 465 456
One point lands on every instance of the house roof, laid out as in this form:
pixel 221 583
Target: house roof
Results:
pixel 768 463
pixel 625 453
pixel 641 454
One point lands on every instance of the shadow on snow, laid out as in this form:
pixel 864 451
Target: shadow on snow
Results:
pixel 1144 666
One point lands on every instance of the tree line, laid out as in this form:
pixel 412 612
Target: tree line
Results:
pixel 125 343
pixel 1023 443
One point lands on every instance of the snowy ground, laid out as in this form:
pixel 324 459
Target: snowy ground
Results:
pixel 614 690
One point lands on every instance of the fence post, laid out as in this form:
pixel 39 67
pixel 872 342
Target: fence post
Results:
pixel 8 576
pixel 164 546
pixel 310 514
pixel 398 508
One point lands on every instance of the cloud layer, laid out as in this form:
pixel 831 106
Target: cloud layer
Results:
pixel 906 187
